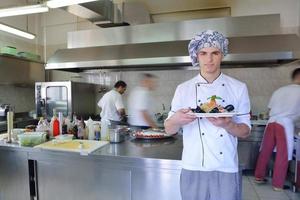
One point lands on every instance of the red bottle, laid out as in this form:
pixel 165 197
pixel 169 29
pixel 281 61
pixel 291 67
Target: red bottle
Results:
pixel 55 127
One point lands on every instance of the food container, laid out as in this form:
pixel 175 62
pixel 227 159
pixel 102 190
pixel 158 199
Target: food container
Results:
pixel 31 139
pixel 29 56
pixel 8 50
pixel 115 136
pixel 16 132
pixel 65 137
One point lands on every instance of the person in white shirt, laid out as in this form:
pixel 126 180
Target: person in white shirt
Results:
pixel 112 107
pixel 284 112
pixel 209 157
pixel 141 103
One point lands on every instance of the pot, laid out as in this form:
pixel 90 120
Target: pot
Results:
pixel 115 136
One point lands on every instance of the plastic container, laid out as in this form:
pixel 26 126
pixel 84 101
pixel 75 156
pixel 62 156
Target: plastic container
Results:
pixel 55 127
pixel 9 50
pixel 32 139
pixel 65 137
pixel 16 132
pixel 30 56
pixel 90 127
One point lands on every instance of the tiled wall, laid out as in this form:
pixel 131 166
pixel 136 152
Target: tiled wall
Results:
pixel 21 98
pixel 261 83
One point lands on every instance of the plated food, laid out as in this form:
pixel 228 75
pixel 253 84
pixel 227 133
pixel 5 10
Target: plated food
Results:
pixel 212 109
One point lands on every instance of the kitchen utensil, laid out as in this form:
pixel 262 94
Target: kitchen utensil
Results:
pixel 115 136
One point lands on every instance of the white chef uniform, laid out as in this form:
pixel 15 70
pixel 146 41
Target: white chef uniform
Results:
pixel 207 147
pixel 285 110
pixel 110 103
pixel 139 100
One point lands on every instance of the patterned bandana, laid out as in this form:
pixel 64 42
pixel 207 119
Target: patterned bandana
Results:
pixel 208 38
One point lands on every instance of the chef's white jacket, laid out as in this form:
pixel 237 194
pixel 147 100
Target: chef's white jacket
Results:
pixel 140 99
pixel 285 110
pixel 110 103
pixel 205 146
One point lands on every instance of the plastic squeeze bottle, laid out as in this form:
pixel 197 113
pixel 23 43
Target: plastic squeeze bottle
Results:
pixel 55 127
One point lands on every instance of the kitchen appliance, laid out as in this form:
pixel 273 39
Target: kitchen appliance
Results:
pixel 255 41
pixel 66 97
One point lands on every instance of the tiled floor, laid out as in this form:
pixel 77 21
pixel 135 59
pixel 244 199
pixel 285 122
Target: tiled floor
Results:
pixel 253 191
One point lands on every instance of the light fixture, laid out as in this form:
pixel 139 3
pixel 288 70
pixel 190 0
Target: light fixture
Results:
pixel 63 3
pixel 15 31
pixel 23 10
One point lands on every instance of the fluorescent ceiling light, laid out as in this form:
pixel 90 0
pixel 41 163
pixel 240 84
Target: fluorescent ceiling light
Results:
pixel 15 31
pixel 23 10
pixel 63 3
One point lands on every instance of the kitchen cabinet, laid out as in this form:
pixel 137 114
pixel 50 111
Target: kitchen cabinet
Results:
pixel 14 175
pixel 14 70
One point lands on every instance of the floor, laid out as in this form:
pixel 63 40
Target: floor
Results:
pixel 253 191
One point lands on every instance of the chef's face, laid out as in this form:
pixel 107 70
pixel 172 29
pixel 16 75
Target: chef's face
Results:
pixel 210 60
pixel 121 90
pixel 151 83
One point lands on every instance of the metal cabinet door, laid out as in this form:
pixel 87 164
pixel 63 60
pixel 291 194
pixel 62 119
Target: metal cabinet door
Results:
pixel 82 179
pixel 14 178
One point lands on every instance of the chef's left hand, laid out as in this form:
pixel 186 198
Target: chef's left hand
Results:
pixel 222 122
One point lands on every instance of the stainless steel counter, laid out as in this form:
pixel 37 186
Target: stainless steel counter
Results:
pixel 131 170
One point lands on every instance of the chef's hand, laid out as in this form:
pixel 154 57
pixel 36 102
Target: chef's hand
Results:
pixel 236 129
pixel 181 117
pixel 177 120
pixel 222 122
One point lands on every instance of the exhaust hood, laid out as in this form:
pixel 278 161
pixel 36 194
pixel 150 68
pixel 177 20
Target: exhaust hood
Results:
pixel 254 41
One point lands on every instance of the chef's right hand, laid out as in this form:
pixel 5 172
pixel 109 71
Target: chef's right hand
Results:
pixel 181 117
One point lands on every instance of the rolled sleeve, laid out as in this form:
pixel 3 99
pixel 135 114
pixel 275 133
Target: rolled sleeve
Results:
pixel 119 103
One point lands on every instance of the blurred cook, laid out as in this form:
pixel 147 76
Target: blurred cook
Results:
pixel 284 112
pixel 111 104
pixel 141 103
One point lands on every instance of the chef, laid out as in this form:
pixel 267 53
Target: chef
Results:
pixel 141 103
pixel 284 112
pixel 209 157
pixel 112 107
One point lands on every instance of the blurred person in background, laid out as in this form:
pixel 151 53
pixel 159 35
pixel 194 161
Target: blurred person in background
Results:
pixel 284 113
pixel 141 104
pixel 112 107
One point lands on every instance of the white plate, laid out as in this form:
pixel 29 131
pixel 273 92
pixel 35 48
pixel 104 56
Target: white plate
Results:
pixel 228 114
pixel 151 135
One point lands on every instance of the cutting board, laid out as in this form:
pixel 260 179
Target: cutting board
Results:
pixel 87 147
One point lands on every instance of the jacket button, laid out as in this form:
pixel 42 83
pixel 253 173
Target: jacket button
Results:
pixel 198 85
pixel 223 100
pixel 223 84
pixel 221 152
pixel 200 117
pixel 221 135
pixel 199 100
pixel 202 133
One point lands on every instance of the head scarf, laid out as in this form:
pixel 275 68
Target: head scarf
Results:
pixel 208 38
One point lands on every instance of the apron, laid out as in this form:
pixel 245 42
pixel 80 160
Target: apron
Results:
pixel 105 123
pixel 288 125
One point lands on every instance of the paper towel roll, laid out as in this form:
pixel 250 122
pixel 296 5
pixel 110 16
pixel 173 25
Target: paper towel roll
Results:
pixel 10 124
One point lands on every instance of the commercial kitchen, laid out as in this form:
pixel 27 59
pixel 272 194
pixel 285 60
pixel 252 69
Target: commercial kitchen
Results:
pixel 64 58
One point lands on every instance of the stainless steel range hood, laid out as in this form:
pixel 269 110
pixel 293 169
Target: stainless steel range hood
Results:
pixel 254 41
